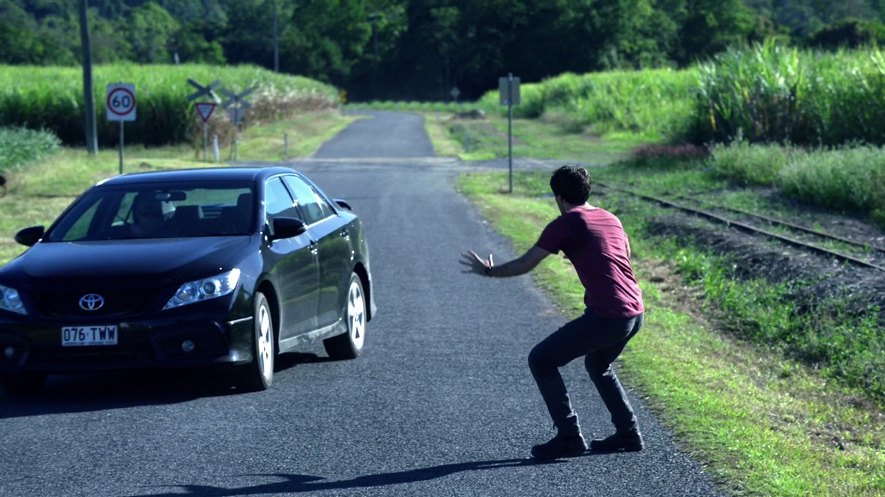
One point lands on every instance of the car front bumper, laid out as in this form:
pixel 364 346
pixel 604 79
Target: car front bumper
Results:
pixel 182 342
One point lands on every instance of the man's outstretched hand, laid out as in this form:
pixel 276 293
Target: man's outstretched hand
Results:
pixel 475 264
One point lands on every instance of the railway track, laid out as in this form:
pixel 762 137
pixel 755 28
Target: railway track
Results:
pixel 867 255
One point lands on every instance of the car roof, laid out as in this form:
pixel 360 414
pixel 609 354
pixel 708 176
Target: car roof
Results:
pixel 196 175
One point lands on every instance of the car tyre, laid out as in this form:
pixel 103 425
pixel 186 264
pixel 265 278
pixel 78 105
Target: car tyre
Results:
pixel 258 374
pixel 350 345
pixel 19 384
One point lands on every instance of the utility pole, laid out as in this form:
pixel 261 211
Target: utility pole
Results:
pixel 374 18
pixel 276 39
pixel 88 96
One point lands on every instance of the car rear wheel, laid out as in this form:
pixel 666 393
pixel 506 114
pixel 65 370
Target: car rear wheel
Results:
pixel 258 374
pixel 350 345
pixel 22 383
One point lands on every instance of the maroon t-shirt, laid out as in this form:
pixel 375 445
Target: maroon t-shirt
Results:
pixel 596 244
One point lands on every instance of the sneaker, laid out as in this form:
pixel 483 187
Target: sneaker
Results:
pixel 560 446
pixel 630 441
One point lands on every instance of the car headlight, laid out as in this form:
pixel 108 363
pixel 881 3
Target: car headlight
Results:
pixel 205 289
pixel 10 300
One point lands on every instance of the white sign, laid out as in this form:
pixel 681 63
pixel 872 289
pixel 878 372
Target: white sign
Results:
pixel 120 102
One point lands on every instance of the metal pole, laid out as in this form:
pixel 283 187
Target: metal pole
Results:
pixel 205 141
pixel 121 147
pixel 373 19
pixel 276 40
pixel 510 131
pixel 88 96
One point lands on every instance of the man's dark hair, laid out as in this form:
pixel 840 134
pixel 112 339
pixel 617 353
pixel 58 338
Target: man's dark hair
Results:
pixel 572 183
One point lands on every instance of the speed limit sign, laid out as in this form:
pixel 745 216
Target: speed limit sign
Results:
pixel 121 102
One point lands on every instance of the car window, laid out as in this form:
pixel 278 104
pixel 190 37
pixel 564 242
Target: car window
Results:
pixel 168 212
pixel 312 205
pixel 278 201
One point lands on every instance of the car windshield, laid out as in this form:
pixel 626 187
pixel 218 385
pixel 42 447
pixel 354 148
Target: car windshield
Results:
pixel 167 211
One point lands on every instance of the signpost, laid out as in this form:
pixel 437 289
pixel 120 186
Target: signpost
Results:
pixel 204 109
pixel 236 106
pixel 508 88
pixel 120 101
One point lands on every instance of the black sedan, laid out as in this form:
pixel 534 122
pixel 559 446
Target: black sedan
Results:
pixel 203 267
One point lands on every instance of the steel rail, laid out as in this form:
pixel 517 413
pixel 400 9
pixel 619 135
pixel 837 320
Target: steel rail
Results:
pixel 744 226
pixel 794 226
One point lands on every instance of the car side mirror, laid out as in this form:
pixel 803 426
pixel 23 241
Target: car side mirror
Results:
pixel 343 204
pixel 287 227
pixel 30 236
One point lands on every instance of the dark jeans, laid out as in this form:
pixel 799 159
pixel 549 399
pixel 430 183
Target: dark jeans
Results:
pixel 600 340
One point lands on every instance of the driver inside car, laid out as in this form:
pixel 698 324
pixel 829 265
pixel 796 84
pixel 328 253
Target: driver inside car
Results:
pixel 148 218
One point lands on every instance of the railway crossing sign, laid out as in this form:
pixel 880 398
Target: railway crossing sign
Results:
pixel 207 90
pixel 236 104
pixel 204 109
pixel 120 99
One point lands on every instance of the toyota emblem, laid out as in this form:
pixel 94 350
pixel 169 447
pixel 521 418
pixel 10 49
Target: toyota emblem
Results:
pixel 91 302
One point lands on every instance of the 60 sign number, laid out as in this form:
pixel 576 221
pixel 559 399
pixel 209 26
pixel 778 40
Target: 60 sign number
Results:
pixel 121 102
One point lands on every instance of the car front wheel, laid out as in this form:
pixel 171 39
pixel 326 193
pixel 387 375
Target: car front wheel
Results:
pixel 350 345
pixel 258 374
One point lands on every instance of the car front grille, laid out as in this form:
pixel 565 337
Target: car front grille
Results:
pixel 71 356
pixel 116 303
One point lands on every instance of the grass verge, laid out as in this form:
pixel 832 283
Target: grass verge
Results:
pixel 765 425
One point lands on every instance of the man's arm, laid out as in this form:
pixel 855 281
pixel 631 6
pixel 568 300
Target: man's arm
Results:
pixel 520 265
pixel 516 267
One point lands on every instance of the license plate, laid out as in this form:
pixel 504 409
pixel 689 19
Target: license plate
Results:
pixel 80 336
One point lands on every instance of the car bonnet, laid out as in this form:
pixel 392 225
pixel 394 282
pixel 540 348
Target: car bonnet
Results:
pixel 131 259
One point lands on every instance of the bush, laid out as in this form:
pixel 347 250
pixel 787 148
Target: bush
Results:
pixel 851 179
pixel 750 164
pixel 21 146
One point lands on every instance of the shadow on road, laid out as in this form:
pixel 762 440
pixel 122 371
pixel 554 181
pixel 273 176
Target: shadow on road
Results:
pixel 291 484
pixel 121 389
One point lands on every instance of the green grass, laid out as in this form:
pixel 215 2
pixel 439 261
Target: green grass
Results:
pixel 763 424
pixel 479 139
pixel 304 133
pixel 845 179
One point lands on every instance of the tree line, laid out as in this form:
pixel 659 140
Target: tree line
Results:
pixel 422 49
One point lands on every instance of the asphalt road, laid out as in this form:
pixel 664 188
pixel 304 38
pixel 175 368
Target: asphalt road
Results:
pixel 440 404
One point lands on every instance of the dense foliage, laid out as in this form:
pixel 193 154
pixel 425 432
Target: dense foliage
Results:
pixel 21 146
pixel 764 94
pixel 53 99
pixel 422 49
pixel 775 94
